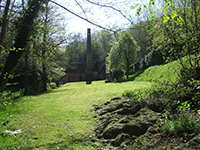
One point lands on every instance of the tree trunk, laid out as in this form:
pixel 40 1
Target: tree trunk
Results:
pixel 20 40
pixel 44 77
pixel 127 63
pixel 44 51
pixel 127 70
pixel 4 25
pixel 26 70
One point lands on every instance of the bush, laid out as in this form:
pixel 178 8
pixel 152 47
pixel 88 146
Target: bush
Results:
pixel 133 94
pixel 52 85
pixel 8 96
pixel 169 95
pixel 185 123
pixel 117 74
pixel 136 67
pixel 153 58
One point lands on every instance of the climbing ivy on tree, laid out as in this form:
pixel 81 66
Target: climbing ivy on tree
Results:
pixel 23 34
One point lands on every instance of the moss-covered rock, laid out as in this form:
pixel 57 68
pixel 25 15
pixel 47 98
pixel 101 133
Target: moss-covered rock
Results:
pixel 122 120
pixel 126 123
pixel 193 144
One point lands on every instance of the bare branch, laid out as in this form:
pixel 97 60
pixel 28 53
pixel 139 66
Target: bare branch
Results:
pixel 107 6
pixel 82 17
pixel 60 42
pixel 81 8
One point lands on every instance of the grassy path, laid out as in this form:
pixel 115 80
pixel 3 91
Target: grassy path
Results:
pixel 59 119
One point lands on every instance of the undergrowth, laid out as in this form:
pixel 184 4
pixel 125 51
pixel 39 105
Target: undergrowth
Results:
pixel 185 122
pixel 178 100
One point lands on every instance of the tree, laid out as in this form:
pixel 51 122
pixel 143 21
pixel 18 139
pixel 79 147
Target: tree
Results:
pixel 26 23
pixel 42 52
pixel 104 37
pixel 20 40
pixel 76 48
pixel 178 31
pixel 4 25
pixel 123 53
pixel 142 37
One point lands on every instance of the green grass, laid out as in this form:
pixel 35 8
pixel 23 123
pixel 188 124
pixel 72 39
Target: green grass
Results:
pixel 168 71
pixel 58 119
pixel 163 72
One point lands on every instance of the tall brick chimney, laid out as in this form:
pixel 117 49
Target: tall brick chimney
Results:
pixel 89 74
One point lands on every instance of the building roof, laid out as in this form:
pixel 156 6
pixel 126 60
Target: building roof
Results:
pixel 76 67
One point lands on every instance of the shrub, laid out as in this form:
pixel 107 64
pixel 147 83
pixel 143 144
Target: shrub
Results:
pixel 136 67
pixel 52 85
pixel 133 94
pixel 8 96
pixel 185 123
pixel 153 58
pixel 117 74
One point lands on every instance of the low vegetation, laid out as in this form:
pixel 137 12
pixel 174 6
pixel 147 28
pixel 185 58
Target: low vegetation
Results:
pixel 178 100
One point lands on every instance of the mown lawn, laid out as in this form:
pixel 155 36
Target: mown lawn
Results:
pixel 59 119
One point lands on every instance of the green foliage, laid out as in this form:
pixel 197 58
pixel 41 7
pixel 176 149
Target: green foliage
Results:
pixel 153 58
pixel 156 97
pixel 143 39
pixel 136 94
pixel 179 98
pixel 113 61
pixel 123 53
pixel 52 85
pixel 8 96
pixel 42 49
pixel 185 123
pixel 177 32
pixel 116 75
pixel 76 49
pixel 172 95
pixel 169 71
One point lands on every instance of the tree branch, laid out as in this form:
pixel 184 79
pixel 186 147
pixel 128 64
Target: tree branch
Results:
pixel 115 9
pixel 81 8
pixel 82 17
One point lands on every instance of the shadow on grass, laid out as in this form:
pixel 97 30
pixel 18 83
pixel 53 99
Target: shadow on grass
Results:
pixel 131 77
pixel 69 143
pixel 14 94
